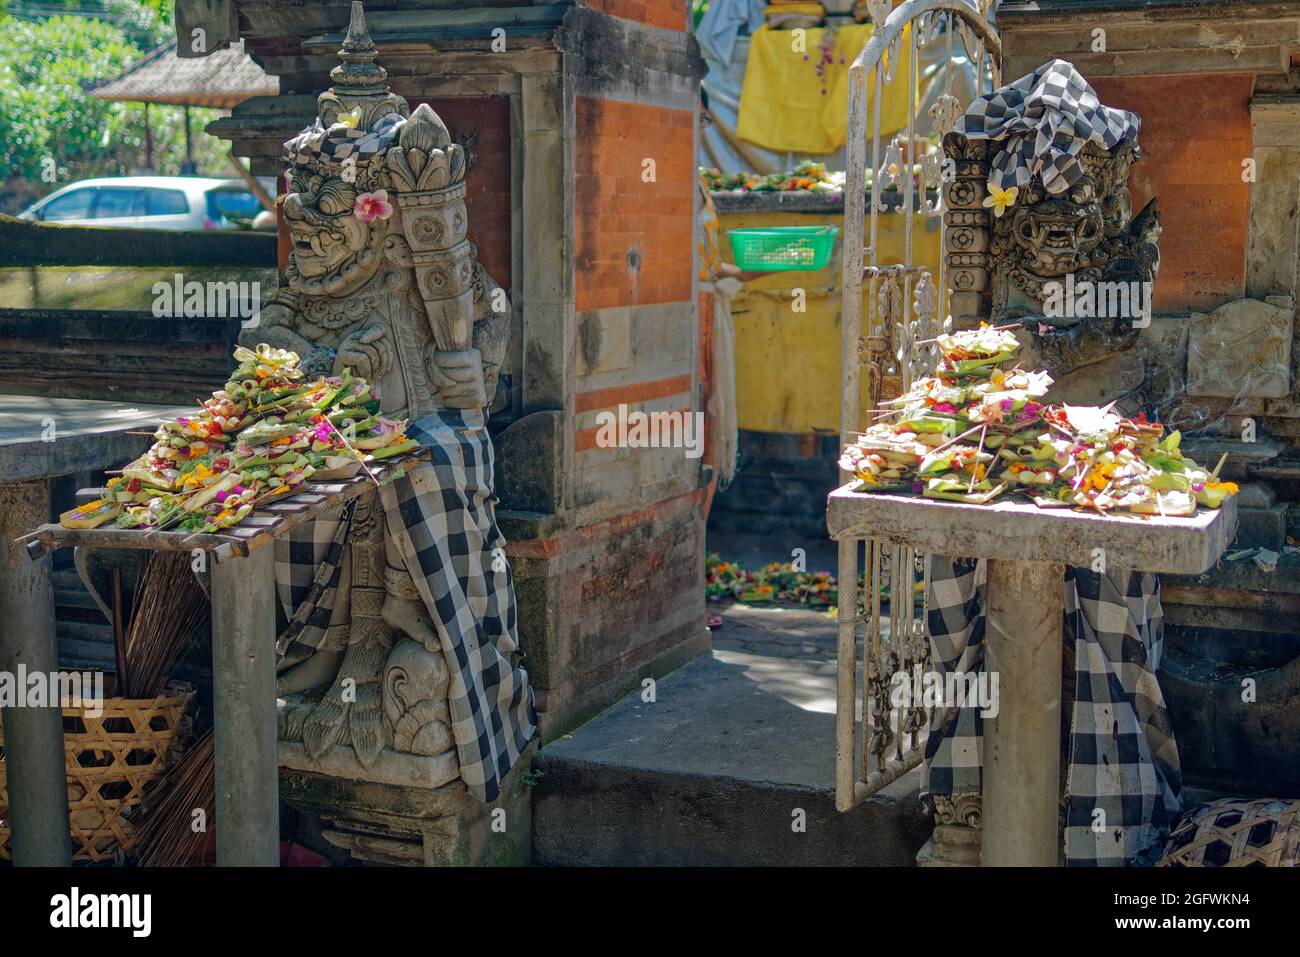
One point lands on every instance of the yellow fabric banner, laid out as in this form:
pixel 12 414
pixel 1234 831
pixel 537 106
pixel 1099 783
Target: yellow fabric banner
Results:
pixel 781 103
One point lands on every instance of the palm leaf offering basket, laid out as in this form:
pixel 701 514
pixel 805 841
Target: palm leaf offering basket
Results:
pixel 110 758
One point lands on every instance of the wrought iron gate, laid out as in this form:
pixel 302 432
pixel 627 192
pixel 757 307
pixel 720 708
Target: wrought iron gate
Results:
pixel 905 310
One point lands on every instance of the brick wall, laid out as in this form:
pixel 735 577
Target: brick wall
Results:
pixel 1195 133
pixel 633 269
pixel 487 186
pixel 670 14
pixel 617 595
pixel 603 606
pixel 633 238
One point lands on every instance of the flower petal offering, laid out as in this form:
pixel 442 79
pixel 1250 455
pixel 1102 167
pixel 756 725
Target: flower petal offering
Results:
pixel 977 428
pixel 261 437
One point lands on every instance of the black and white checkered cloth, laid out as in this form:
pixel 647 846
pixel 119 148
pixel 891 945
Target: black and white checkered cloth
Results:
pixel 338 143
pixel 1041 122
pixel 1123 779
pixel 441 515
pixel 308 562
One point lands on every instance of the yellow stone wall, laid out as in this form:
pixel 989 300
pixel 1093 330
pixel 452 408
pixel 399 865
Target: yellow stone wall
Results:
pixel 787 362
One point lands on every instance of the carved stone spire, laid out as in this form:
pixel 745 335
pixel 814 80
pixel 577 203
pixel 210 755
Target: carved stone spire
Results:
pixel 359 82
pixel 359 74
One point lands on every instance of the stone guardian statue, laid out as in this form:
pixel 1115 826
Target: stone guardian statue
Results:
pixel 399 662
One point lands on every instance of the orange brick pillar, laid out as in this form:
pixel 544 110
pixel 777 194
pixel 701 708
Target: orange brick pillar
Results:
pixel 611 585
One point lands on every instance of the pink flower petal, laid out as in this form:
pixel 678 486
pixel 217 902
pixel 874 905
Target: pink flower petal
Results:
pixel 372 206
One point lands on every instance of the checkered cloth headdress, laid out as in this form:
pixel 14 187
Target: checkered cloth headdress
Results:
pixel 1041 122
pixel 333 146
pixel 1122 759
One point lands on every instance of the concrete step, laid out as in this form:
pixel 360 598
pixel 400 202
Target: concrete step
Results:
pixel 69 592
pixel 85 638
pixel 85 646
pixel 714 771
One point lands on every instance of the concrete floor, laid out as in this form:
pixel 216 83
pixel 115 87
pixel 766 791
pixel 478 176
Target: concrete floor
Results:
pixel 733 749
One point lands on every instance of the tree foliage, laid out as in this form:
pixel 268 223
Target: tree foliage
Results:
pixel 49 122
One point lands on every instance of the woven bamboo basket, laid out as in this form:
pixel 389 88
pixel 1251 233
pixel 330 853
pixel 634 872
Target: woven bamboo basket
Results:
pixel 1230 833
pixel 110 758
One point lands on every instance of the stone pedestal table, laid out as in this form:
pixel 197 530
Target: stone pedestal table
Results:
pixel 1027 549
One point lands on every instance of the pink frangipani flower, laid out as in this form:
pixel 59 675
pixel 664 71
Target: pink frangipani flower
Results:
pixel 372 206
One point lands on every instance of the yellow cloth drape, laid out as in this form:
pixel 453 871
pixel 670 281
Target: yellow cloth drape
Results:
pixel 793 7
pixel 781 103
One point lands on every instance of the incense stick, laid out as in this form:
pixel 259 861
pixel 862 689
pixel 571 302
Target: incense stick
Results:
pixel 119 628
pixel 1063 431
pixel 956 440
pixel 1095 504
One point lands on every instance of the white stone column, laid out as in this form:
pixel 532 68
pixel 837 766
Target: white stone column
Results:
pixel 1273 237
pixel 1022 744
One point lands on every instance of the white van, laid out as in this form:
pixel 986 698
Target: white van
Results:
pixel 152 202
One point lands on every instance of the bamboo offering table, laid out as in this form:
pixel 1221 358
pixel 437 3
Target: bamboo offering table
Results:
pixel 242 590
pixel 1027 549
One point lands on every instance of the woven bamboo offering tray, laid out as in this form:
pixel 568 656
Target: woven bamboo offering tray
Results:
pixel 263 454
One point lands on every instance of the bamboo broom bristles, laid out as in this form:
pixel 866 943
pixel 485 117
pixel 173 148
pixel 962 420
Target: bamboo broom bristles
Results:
pixel 168 609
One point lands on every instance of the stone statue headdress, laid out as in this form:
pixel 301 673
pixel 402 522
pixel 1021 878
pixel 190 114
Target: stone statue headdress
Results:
pixel 365 138
pixel 357 119
pixel 1041 193
pixel 1041 124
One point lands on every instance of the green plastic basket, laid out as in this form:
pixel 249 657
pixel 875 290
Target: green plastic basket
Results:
pixel 779 248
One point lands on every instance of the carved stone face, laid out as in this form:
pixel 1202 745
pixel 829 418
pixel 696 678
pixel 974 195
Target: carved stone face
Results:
pixel 327 235
pixel 1055 236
